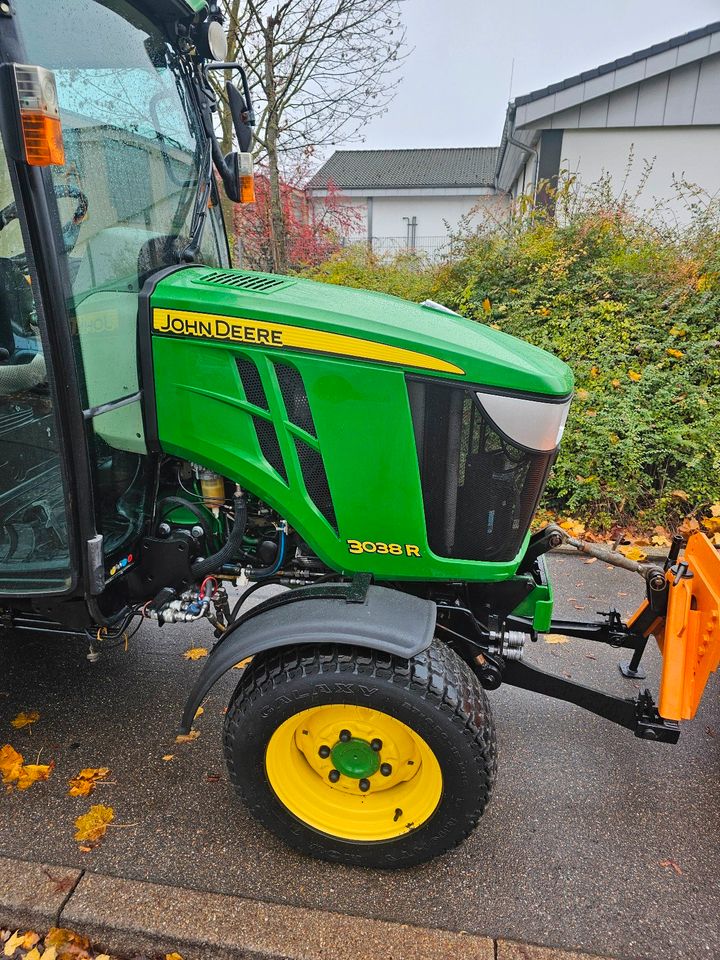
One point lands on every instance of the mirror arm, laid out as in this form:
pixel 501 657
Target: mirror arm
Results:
pixel 221 65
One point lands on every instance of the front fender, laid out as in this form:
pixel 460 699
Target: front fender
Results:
pixel 385 619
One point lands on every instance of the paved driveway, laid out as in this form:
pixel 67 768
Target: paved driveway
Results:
pixel 594 840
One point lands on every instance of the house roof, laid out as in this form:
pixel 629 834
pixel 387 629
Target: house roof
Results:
pixel 626 61
pixel 673 83
pixel 406 169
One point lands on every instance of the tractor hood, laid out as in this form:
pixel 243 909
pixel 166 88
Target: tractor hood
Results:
pixel 295 314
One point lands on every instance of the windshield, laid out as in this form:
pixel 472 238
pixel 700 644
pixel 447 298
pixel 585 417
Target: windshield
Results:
pixel 132 140
pixel 125 197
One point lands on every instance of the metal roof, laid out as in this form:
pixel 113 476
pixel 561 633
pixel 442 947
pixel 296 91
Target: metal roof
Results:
pixel 631 58
pixel 406 169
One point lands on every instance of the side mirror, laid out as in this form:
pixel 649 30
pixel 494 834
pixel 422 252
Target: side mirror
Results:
pixel 242 117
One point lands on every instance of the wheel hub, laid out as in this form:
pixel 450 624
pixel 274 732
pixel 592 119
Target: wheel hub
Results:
pixel 355 758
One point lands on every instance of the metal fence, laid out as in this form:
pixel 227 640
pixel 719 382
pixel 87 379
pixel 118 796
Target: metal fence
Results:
pixel 432 248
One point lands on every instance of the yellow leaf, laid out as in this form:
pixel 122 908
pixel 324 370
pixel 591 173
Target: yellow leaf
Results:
pixel 67 941
pixel 199 712
pixel 616 383
pixel 100 956
pixel 680 494
pixel 634 375
pixel 10 763
pixel 544 312
pixel 675 353
pixel 92 825
pixel 556 638
pixel 25 719
pixel 486 305
pixel 660 541
pixel 594 371
pixel 187 737
pixel 195 653
pixel 84 783
pixel 712 524
pixel 242 664
pixel 49 953
pixel 13 943
pixel 169 756
pixel 495 326
pixel 582 394
pixel 173 956
pixel 33 773
pixel 715 510
pixel 677 332
pixel 633 553
pixel 34 954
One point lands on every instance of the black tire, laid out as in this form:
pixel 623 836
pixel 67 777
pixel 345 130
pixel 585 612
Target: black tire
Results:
pixel 435 694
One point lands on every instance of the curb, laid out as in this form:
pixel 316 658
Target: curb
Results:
pixel 132 916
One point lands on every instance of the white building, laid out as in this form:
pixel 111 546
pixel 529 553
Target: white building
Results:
pixel 659 106
pixel 412 199
pixel 656 110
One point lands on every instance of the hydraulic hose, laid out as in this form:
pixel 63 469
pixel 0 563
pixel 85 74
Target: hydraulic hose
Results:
pixel 233 544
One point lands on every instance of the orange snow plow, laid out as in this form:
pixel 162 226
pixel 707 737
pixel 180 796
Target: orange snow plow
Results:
pixel 689 638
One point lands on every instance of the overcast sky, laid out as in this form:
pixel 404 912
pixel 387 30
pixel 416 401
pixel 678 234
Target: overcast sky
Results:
pixel 457 79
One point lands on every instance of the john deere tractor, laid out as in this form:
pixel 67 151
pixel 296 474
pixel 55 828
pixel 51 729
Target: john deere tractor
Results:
pixel 172 428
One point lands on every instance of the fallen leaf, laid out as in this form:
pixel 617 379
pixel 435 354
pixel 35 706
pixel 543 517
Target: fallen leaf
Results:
pixel 715 510
pixel 675 353
pixel 34 954
pixel 486 305
pixel 25 719
pixel 590 560
pixel 100 956
pixel 213 778
pixel 712 524
pixel 633 553
pixel 84 783
pixel 49 953
pixel 677 332
pixel 91 826
pixel 169 756
pixel 675 867
pixel 199 712
pixel 680 494
pixel 242 664
pixel 33 773
pixel 658 540
pixel 20 940
pixel 688 526
pixel 187 737
pixel 173 956
pixel 556 638
pixel 574 527
pixel 195 653
pixel 10 763
pixel 634 375
pixel 62 937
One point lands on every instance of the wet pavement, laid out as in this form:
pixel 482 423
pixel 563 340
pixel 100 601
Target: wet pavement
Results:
pixel 593 840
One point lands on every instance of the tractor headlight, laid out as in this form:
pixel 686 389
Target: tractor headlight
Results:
pixel 536 424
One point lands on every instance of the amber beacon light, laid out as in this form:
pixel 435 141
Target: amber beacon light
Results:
pixel 39 116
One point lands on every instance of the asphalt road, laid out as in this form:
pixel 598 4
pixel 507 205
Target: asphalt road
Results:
pixel 594 840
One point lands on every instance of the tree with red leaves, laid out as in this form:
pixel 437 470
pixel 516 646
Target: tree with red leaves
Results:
pixel 312 231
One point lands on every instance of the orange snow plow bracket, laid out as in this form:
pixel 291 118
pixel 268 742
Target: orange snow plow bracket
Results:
pixel 690 640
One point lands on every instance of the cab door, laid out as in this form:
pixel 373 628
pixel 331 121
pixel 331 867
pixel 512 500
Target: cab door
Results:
pixel 34 544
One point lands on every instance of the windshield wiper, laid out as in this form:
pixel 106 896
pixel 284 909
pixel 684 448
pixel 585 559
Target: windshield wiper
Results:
pixel 200 209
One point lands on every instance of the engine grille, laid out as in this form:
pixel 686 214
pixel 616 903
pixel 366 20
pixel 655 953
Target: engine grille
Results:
pixel 480 490
pixel 295 397
pixel 315 478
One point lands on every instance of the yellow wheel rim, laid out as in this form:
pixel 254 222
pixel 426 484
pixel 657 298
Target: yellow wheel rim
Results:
pixel 353 773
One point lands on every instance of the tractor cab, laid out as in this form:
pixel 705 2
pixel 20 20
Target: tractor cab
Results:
pixel 172 429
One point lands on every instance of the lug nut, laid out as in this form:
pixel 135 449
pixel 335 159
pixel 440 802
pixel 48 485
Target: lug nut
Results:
pixel 376 745
pixel 364 785
pixel 345 735
pixel 324 752
pixel 385 769
pixel 334 776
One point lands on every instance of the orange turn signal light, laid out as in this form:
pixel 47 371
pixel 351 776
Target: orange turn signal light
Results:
pixel 40 124
pixel 247 189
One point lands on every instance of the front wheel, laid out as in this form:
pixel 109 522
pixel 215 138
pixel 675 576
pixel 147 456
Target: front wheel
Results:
pixel 361 757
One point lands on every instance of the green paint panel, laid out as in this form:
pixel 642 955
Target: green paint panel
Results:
pixel 349 431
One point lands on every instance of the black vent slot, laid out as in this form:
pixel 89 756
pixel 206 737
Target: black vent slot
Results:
pixel 295 397
pixel 480 491
pixel 252 384
pixel 256 283
pixel 269 446
pixel 316 482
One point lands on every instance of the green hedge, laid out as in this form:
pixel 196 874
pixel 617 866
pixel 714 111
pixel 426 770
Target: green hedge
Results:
pixel 635 311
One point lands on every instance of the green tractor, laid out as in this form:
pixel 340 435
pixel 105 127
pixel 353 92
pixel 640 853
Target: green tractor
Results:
pixel 171 427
